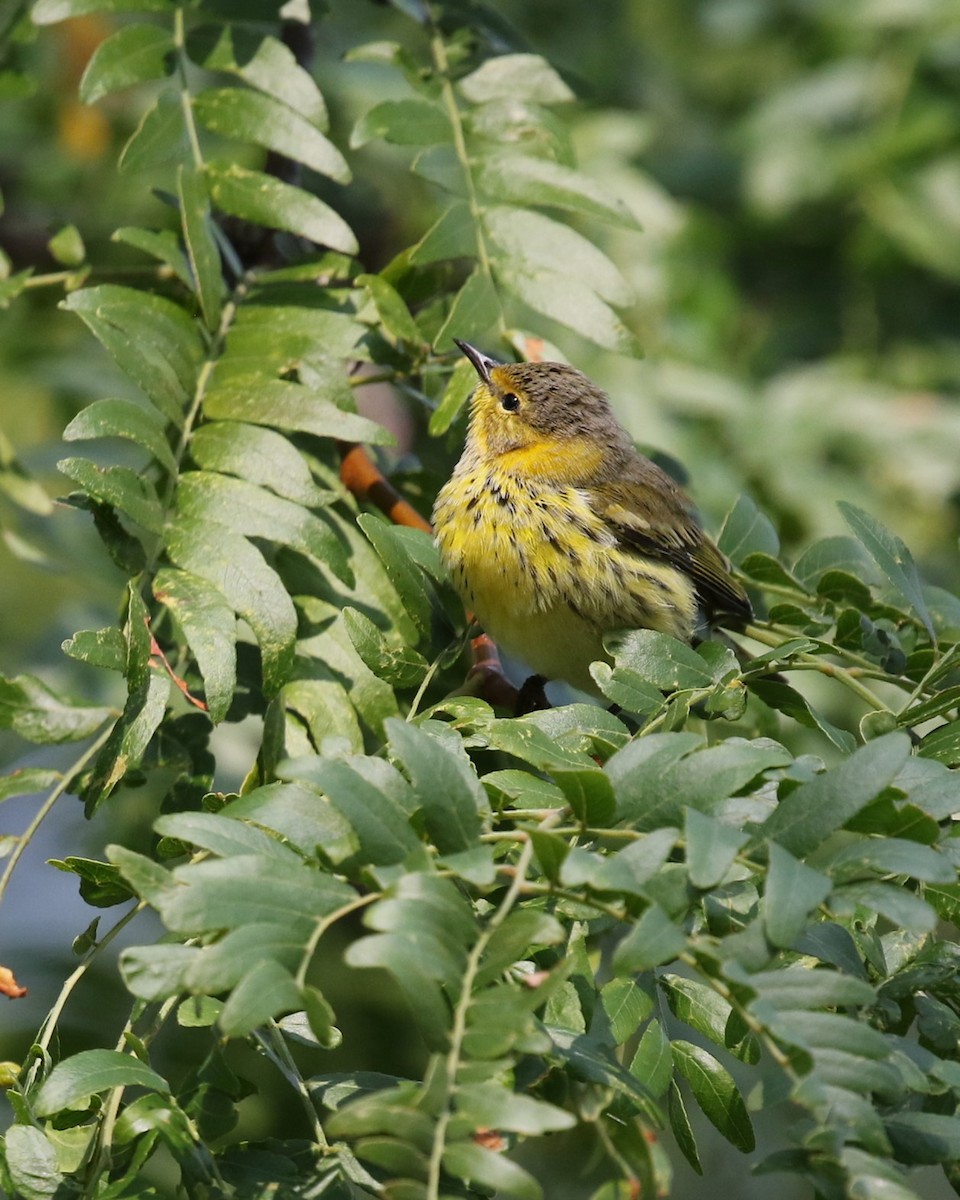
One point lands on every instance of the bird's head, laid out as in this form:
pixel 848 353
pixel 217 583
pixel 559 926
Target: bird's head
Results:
pixel 547 416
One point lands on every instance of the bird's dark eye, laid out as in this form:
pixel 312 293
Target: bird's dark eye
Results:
pixel 510 401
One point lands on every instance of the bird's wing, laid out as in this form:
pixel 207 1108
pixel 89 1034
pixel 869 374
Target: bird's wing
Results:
pixel 650 515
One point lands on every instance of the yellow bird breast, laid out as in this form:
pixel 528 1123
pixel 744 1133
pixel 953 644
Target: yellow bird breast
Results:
pixel 544 574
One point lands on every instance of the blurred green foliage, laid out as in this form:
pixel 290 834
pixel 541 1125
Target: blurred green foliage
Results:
pixel 795 170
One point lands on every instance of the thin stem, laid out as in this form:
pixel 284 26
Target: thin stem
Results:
pixel 278 1052
pixel 458 1032
pixel 53 1016
pixel 756 1027
pixel 438 50
pixel 422 689
pixel 321 928
pixel 25 838
pixel 179 41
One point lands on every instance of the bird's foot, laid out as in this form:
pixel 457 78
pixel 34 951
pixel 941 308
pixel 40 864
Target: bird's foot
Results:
pixel 532 697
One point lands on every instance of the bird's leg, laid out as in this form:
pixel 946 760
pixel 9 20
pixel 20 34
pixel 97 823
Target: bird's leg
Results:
pixel 532 697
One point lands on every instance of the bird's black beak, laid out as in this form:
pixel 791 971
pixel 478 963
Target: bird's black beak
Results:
pixel 481 364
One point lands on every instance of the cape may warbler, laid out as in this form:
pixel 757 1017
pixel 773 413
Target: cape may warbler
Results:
pixel 555 530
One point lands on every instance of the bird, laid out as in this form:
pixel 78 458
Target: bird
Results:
pixel 555 530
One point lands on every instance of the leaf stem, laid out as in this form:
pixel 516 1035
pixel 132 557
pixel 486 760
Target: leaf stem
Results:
pixel 278 1052
pixel 179 41
pixel 441 63
pixel 458 1031
pixel 53 1016
pixel 45 808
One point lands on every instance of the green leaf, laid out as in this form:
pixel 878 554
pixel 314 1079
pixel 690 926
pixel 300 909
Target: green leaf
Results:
pixel 655 939
pixel 835 554
pixel 410 122
pixel 515 77
pixel 659 659
pixel 517 178
pixel 624 1006
pixel 201 244
pixel 223 835
pixel 817 1030
pixel 653 1062
pixel 405 575
pixel 702 780
pixel 783 698
pixel 238 571
pixel 793 890
pixel 588 792
pixel 711 848
pixel 100 882
pixel 26 780
pixel 630 869
pixel 513 939
pixel 67 246
pixel 476 1165
pixel 298 812
pixel 746 530
pixel 375 800
pixel 247 890
pixel 797 987
pixel 900 906
pixel 493 1106
pixel 31 1163
pixel 250 510
pixel 210 627
pixel 263 993
pixel 444 782
pixel 943 744
pixel 264 200
pixel 567 299
pixel 716 1093
pixel 893 558
pixel 475 309
pixel 132 55
pixel 266 64
pixel 807 816
pixel 702 1009
pixel 124 419
pixel 887 856
pixel 424 926
pixel 120 487
pixel 682 1129
pixel 284 405
pixel 324 707
pixel 391 309
pixel 160 136
pixel 163 245
pixel 105 648
pixel 459 388
pixel 152 340
pixel 401 666
pixel 452 236
pixel 536 242
pixel 251 116
pixel 125 747
pixel 13 285
pixel 638 766
pixel 90 1072
pixel 34 711
pixel 258 455
pixel 924 1137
